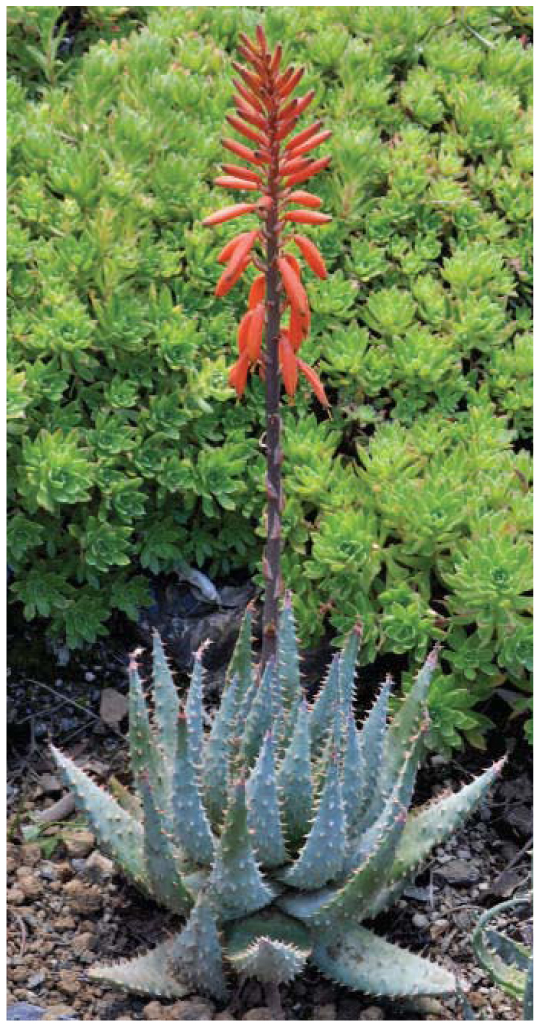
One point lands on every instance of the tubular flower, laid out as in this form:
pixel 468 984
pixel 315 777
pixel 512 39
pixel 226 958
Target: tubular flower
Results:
pixel 277 156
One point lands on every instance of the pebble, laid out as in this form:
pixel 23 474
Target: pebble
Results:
pixel 36 979
pixel 420 920
pixel 31 854
pixel 28 882
pixel 15 896
pixel 155 1011
pixel 83 898
pixel 65 923
pixel 372 1013
pixel 24 1011
pixel 193 1009
pixel 458 871
pixel 98 866
pixel 83 942
pixel 79 844
pixel 327 1011
pixel 430 1006
pixel 258 1013
pixel 59 1012
pixel 69 982
pixel 349 1008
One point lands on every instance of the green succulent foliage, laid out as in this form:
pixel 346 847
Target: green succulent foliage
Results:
pixel 508 962
pixel 119 409
pixel 277 832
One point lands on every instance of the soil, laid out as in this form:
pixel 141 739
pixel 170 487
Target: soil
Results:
pixel 69 909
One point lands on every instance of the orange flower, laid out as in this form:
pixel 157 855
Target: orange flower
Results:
pixel 266 114
pixel 289 365
pixel 314 381
pixel 227 213
pixel 307 217
pixel 311 254
pixel 238 374
pixel 237 264
pixel 293 287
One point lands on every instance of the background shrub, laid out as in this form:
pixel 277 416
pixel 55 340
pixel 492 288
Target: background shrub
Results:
pixel 127 451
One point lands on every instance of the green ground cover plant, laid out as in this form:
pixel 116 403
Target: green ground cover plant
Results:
pixel 411 507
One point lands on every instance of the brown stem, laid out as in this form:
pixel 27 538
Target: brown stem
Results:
pixel 273 1000
pixel 272 553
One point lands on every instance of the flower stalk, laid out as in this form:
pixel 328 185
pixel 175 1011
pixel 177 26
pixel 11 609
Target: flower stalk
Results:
pixel 266 116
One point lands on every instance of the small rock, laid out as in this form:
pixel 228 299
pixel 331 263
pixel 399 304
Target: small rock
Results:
pixel 30 854
pixel 65 923
pixel 24 1011
pixel 464 852
pixel 438 761
pixel 28 883
pixel 98 867
pixel 192 1009
pixel 89 676
pixel 50 783
pixel 155 1011
pixel 430 1006
pixel 349 1008
pixel 36 979
pixel 520 818
pixel 327 1011
pixel 113 707
pixel 79 844
pixel 458 871
pixel 476 999
pixel 15 896
pixel 372 1013
pixel 259 1013
pixel 48 872
pixel 83 898
pixel 83 942
pixel 252 994
pixel 420 920
pixel 59 1012
pixel 69 983
pixel 225 1015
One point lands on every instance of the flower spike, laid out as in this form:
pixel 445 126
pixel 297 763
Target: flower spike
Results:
pixel 266 114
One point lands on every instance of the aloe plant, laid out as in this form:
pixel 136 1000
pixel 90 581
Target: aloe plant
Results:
pixel 508 962
pixel 279 830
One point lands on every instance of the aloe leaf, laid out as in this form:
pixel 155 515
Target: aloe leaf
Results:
pixel 268 945
pixel 194 711
pixel 217 753
pixel 166 703
pixel 259 719
pixel 321 858
pixel 148 974
pixel 288 662
pixel 347 667
pixel 120 834
pixel 403 721
pixel 427 827
pixel 161 864
pixel 294 781
pixel 321 713
pixel 190 822
pixel 269 961
pixel 361 960
pixel 264 818
pixel 236 883
pixel 195 954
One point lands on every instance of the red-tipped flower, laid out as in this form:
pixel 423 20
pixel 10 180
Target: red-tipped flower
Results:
pixel 277 155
